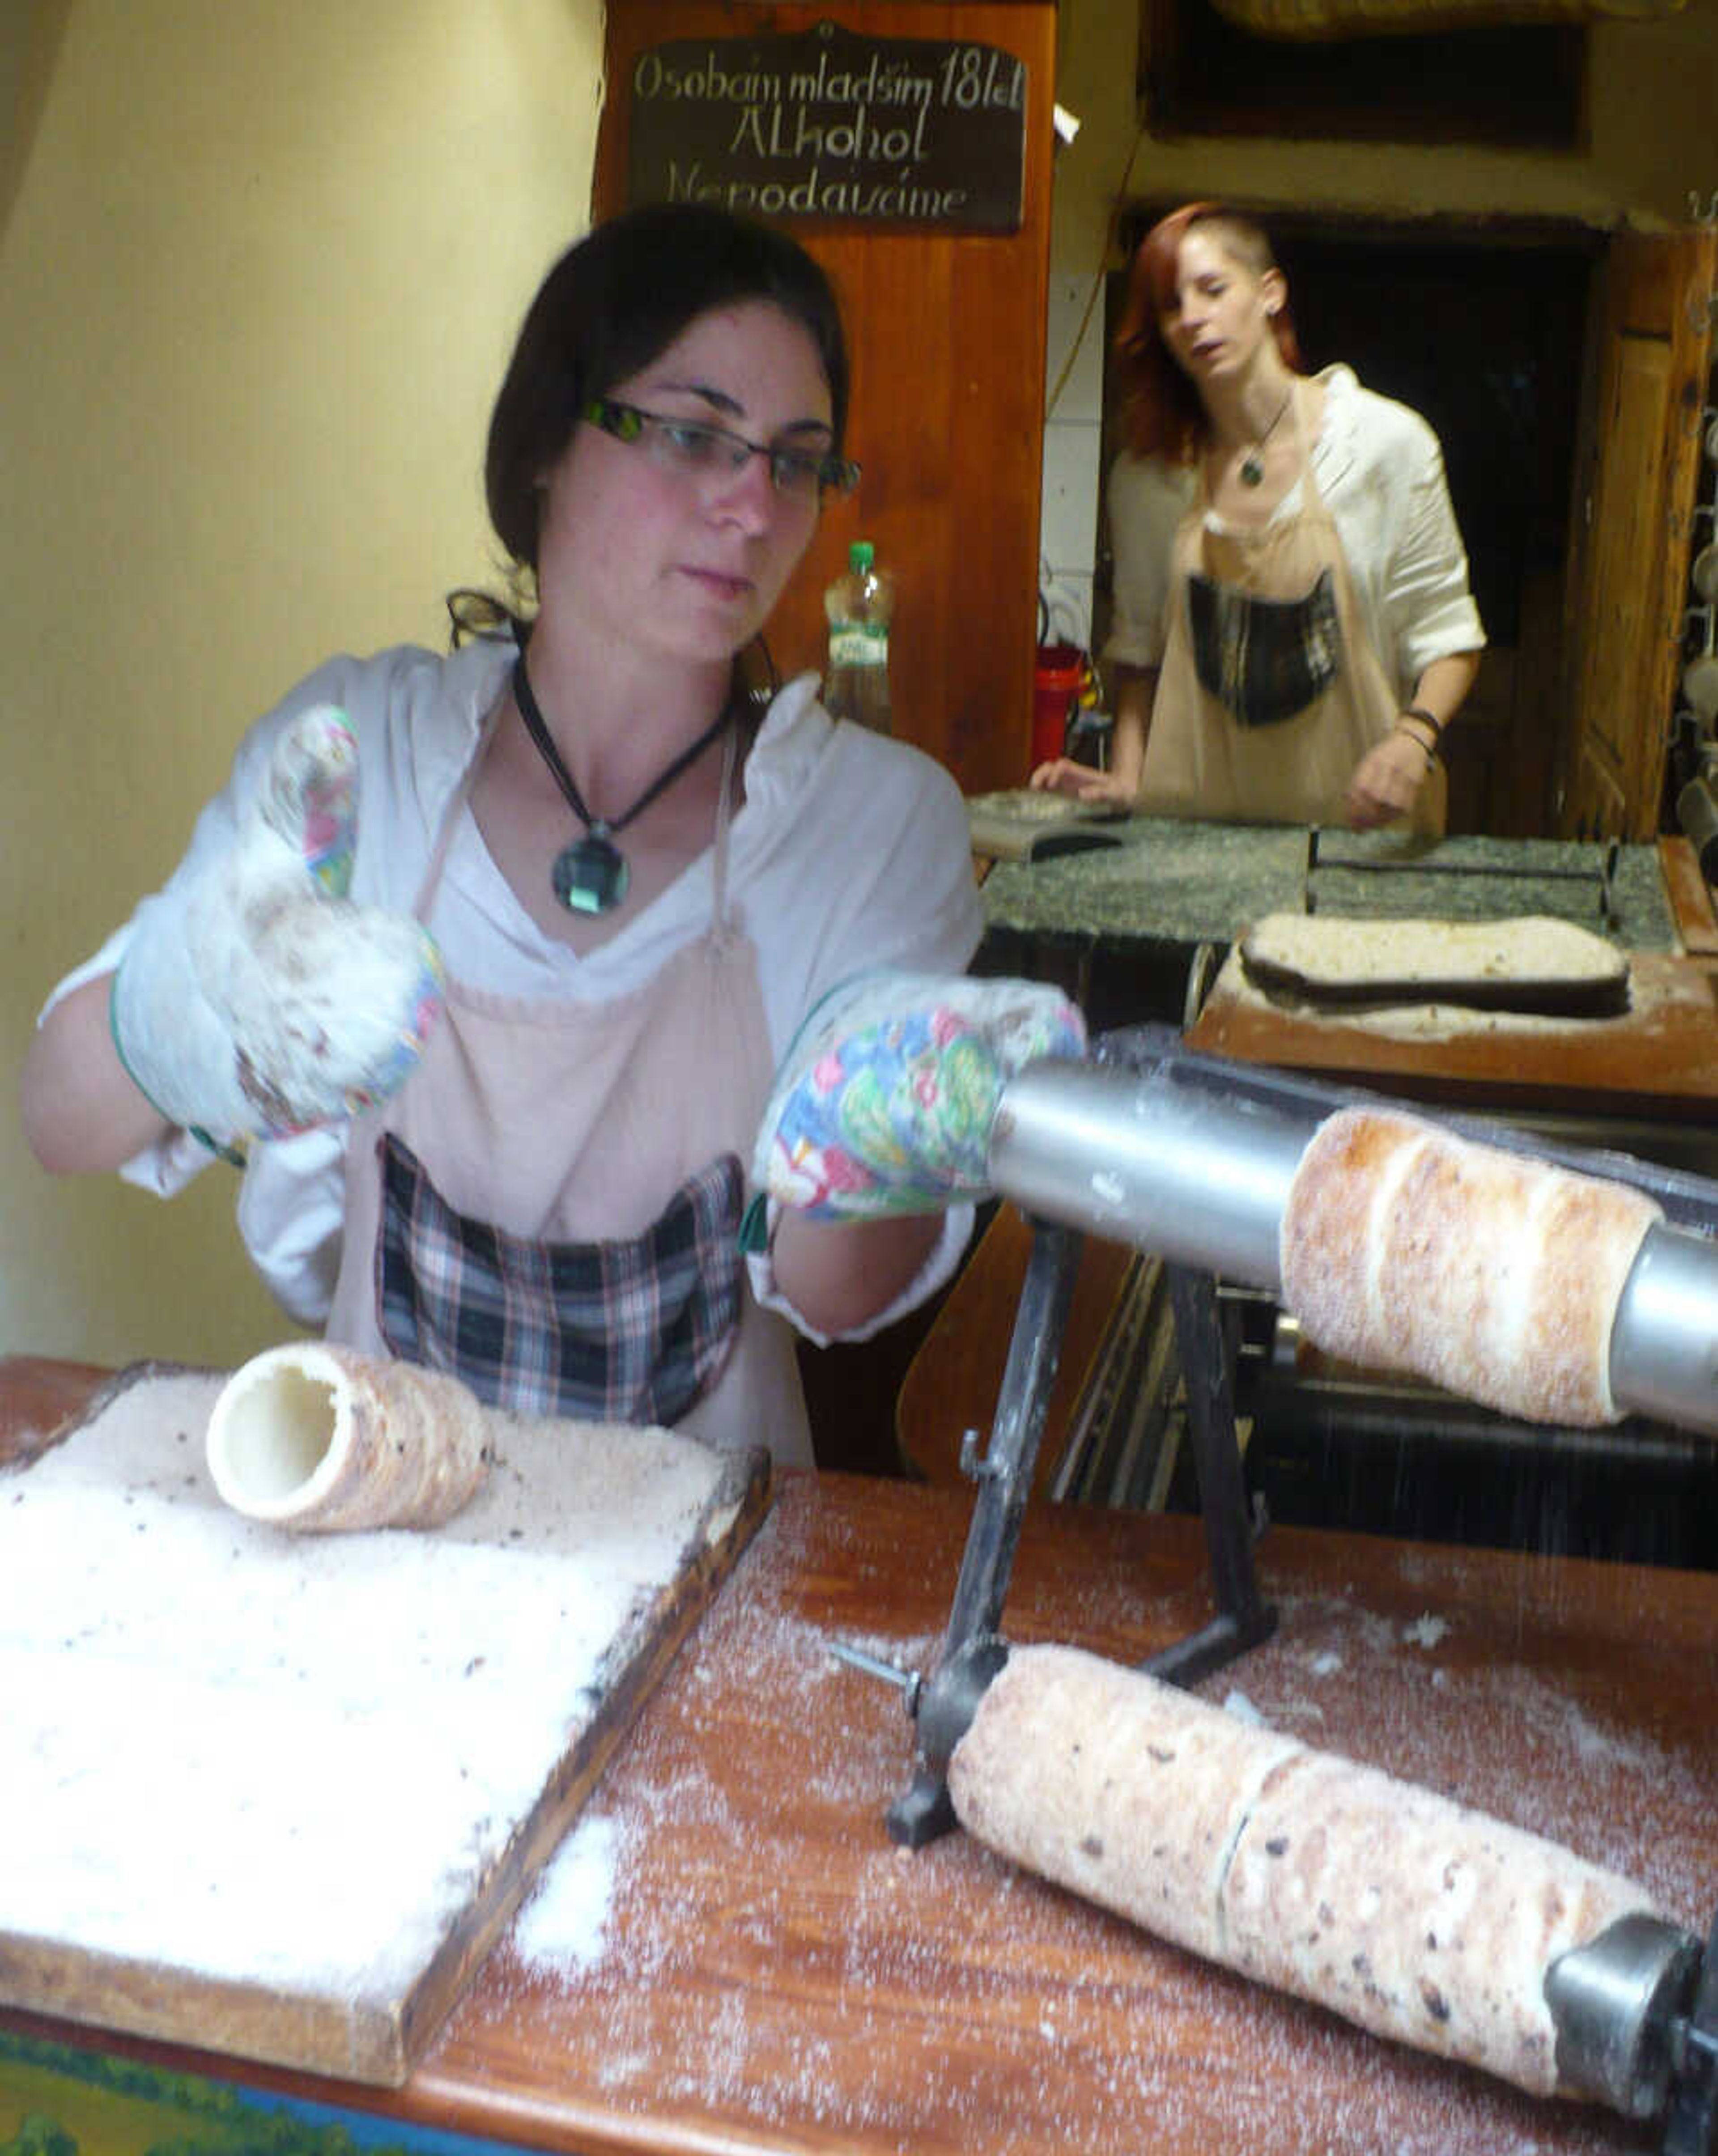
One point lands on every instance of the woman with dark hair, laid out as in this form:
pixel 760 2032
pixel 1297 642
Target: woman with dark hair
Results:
pixel 1294 629
pixel 494 1060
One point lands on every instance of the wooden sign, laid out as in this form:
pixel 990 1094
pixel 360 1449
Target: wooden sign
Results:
pixel 832 126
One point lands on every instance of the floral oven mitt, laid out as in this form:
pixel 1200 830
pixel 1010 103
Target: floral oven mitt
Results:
pixel 883 1104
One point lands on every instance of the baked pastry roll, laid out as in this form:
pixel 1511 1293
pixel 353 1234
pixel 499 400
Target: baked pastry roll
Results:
pixel 313 1436
pixel 1495 1276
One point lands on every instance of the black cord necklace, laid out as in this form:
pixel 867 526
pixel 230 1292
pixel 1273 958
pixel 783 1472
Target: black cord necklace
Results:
pixel 1253 464
pixel 591 875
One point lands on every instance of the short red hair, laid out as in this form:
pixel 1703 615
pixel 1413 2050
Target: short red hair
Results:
pixel 1162 414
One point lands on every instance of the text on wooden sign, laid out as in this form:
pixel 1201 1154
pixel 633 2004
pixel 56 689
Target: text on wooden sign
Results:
pixel 830 125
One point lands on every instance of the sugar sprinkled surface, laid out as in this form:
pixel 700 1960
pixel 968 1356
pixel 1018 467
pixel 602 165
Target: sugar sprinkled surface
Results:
pixel 562 1924
pixel 289 1760
pixel 895 1964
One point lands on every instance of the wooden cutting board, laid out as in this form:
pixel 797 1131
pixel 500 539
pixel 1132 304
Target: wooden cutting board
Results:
pixel 277 1795
pixel 1662 1054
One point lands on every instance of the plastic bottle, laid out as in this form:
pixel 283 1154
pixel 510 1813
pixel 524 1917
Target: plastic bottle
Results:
pixel 860 606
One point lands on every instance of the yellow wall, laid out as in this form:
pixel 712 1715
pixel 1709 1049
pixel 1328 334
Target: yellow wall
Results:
pixel 1653 96
pixel 261 262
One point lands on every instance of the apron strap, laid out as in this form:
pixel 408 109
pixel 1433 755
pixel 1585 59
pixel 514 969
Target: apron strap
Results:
pixel 724 816
pixel 450 815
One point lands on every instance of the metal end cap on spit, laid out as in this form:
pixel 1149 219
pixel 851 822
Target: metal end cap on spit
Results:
pixel 1614 2002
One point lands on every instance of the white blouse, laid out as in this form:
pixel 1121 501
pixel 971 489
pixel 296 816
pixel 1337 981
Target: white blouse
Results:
pixel 1380 468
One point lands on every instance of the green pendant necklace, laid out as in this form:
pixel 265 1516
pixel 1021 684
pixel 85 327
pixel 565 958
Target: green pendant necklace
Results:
pixel 591 875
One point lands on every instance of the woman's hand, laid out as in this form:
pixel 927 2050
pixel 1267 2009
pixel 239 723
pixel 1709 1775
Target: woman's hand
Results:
pixel 883 1103
pixel 1387 780
pixel 1118 787
pixel 1064 776
pixel 256 997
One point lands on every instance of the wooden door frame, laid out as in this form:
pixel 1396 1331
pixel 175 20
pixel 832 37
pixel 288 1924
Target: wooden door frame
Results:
pixel 1656 291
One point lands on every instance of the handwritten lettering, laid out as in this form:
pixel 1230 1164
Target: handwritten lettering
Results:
pixel 880 83
pixel 978 77
pixel 815 196
pixel 831 124
pixel 705 82
pixel 768 131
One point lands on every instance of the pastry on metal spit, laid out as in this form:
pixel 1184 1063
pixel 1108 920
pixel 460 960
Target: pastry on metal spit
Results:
pixel 1409 1914
pixel 1496 1276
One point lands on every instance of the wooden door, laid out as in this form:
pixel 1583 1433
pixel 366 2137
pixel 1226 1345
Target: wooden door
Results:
pixel 947 336
pixel 1637 478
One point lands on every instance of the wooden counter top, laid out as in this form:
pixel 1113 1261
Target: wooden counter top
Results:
pixel 774 1975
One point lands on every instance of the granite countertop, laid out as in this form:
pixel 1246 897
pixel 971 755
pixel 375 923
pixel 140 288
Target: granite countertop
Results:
pixel 1162 880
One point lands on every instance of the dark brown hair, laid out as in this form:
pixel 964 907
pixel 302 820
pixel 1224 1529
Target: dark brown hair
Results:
pixel 1162 414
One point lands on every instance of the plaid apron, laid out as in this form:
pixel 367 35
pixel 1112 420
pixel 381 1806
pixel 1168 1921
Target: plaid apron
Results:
pixel 1270 691
pixel 1264 660
pixel 549 1208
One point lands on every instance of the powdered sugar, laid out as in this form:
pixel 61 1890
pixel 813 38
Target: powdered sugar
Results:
pixel 562 1925
pixel 292 1762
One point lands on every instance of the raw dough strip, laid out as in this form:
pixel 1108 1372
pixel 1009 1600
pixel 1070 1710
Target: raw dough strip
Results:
pixel 1404 1912
pixel 1495 1276
pixel 1532 963
pixel 315 1436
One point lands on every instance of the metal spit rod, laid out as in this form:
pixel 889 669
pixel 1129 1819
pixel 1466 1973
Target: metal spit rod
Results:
pixel 1201 1177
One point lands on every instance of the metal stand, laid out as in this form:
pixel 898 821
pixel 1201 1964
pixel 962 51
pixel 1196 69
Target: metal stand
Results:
pixel 972 1647
pixel 1207 1348
pixel 1603 873
pixel 1193 1155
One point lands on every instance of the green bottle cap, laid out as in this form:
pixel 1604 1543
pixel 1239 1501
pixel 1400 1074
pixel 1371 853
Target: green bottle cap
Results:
pixel 859 556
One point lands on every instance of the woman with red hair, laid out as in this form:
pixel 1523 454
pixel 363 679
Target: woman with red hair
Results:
pixel 1294 629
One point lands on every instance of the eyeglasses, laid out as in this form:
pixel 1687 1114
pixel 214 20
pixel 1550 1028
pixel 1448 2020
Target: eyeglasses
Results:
pixel 694 447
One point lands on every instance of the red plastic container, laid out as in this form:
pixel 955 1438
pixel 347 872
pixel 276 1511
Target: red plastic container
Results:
pixel 1056 682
